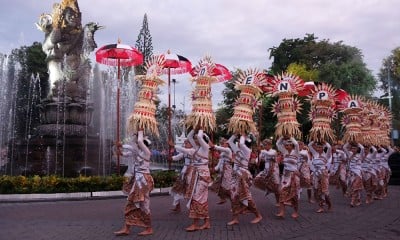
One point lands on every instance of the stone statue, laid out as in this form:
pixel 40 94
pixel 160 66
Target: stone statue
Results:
pixel 67 46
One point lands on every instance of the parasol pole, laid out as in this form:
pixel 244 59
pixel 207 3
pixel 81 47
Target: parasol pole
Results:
pixel 118 120
pixel 169 119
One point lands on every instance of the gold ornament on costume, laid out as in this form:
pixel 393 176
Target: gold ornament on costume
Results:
pixel 285 86
pixel 143 115
pixel 322 111
pixel 248 84
pixel 202 114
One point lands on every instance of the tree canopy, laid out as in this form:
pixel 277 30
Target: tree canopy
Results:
pixel 338 64
pixel 389 77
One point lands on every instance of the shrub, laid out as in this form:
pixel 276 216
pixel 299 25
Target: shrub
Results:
pixel 56 184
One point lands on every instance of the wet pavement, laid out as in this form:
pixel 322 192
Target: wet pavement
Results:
pixel 97 219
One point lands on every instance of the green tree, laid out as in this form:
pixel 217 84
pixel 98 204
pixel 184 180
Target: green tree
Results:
pixel 144 44
pixel 302 71
pixel 29 90
pixel 338 64
pixel 389 77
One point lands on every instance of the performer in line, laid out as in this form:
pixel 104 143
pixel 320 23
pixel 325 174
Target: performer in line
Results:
pixel 222 184
pixel 305 171
pixel 178 190
pixel 369 175
pixel 385 169
pixel 198 186
pixel 269 179
pixel 241 198
pixel 337 171
pixel 320 161
pixel 290 180
pixel 355 155
pixel 137 209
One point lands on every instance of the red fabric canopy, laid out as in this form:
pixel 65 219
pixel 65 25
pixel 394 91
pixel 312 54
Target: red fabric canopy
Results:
pixel 176 64
pixel 220 72
pixel 126 55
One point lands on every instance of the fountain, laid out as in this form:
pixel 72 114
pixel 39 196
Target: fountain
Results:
pixel 66 143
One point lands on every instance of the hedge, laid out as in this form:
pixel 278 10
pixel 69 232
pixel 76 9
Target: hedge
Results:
pixel 57 184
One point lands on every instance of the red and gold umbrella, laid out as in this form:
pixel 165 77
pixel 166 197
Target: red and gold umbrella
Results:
pixel 174 64
pixel 119 55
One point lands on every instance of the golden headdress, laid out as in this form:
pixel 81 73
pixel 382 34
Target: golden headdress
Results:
pixel 352 106
pixel 248 83
pixel 322 111
pixel 143 115
pixel 202 114
pixel 285 86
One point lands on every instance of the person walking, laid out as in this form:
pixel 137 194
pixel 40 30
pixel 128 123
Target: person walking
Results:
pixel 138 188
pixel 241 198
pixel 199 181
pixel 290 180
pixel 222 184
pixel 320 161
pixel 178 190
pixel 268 179
pixel 355 155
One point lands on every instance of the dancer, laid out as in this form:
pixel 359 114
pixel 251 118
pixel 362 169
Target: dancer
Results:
pixel 305 172
pixel 198 186
pixel 290 181
pixel 385 169
pixel 369 175
pixel 224 168
pixel 355 155
pixel 268 179
pixel 337 171
pixel 178 190
pixel 320 161
pixel 241 198
pixel 137 209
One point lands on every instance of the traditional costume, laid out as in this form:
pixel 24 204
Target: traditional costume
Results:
pixel 138 186
pixel 222 185
pixel 355 155
pixel 137 210
pixel 290 180
pixel 179 188
pixel 242 123
pixel 320 160
pixel 268 179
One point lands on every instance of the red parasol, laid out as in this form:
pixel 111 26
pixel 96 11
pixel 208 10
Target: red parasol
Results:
pixel 308 87
pixel 174 64
pixel 220 72
pixel 119 55
pixel 340 96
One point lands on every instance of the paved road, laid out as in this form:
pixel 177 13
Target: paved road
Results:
pixel 97 219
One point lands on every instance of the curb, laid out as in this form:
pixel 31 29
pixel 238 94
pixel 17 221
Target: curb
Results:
pixel 76 196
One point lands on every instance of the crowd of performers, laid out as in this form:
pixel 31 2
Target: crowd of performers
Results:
pixel 351 167
pixel 356 165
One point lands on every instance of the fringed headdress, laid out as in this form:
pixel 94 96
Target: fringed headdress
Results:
pixel 143 115
pixel 202 114
pixel 248 84
pixel 352 106
pixel 384 121
pixel 285 86
pixel 322 112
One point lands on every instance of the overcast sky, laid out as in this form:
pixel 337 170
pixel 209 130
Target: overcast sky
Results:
pixel 234 33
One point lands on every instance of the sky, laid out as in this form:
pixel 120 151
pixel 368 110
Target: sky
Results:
pixel 236 34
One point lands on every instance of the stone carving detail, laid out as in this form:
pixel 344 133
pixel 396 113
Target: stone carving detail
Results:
pixel 67 46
